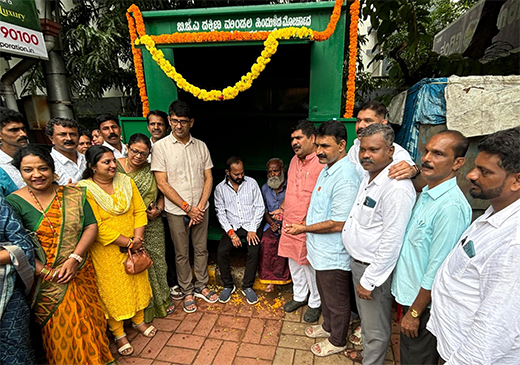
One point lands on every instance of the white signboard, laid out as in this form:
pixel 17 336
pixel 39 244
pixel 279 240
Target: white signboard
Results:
pixel 22 41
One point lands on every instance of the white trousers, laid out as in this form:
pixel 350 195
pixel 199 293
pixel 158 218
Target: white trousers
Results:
pixel 304 283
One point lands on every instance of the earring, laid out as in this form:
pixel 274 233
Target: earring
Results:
pixel 94 171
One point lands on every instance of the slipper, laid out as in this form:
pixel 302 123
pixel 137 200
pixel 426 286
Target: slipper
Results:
pixel 198 294
pixel 358 358
pixel 316 331
pixel 170 309
pixel 355 337
pixel 176 293
pixel 149 332
pixel 325 348
pixel 123 350
pixel 188 303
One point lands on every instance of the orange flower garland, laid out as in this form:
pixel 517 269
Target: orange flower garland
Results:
pixel 136 25
pixel 352 58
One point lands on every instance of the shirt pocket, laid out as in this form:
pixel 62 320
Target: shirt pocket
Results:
pixel 366 216
pixel 418 232
pixel 459 262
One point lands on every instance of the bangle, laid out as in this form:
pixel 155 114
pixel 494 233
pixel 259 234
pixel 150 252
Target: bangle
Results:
pixel 130 242
pixel 78 258
pixel 184 206
pixel 189 209
pixel 234 236
pixel 44 271
pixel 231 232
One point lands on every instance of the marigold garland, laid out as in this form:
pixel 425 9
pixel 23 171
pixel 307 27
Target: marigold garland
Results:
pixel 352 58
pixel 136 25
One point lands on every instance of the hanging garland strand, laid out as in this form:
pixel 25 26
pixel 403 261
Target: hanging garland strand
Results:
pixel 137 28
pixel 352 58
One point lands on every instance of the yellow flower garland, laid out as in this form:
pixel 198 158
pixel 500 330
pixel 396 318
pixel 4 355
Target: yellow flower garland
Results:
pixel 136 25
pixel 230 92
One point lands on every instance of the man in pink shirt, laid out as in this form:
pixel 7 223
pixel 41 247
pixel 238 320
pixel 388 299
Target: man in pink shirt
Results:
pixel 301 178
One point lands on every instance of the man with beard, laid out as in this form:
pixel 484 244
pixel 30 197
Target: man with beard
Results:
pixel 373 235
pixel 13 136
pixel 240 209
pixel 273 269
pixel 438 219
pixel 304 170
pixel 110 130
pixel 475 311
pixel 331 201
pixel 182 167
pixel 69 163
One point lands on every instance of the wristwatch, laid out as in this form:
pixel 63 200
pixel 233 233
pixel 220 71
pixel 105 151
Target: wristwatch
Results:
pixel 414 313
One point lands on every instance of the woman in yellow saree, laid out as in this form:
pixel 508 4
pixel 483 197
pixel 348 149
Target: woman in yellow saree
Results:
pixel 121 216
pixel 65 297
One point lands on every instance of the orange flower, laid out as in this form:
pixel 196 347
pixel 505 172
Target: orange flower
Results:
pixel 352 58
pixel 138 64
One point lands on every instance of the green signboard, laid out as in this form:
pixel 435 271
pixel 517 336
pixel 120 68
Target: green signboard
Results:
pixel 20 31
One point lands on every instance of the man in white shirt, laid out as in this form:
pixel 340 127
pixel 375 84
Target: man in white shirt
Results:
pixel 69 163
pixel 240 209
pixel 111 131
pixel 373 235
pixel 475 311
pixel 13 136
pixel 157 125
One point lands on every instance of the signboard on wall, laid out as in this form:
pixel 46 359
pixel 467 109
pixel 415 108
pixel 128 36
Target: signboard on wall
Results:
pixel 20 30
pixel 456 37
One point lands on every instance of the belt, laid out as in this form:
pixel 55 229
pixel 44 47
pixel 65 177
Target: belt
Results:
pixel 361 262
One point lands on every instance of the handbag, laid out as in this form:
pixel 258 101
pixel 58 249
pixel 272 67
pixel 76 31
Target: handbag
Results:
pixel 137 262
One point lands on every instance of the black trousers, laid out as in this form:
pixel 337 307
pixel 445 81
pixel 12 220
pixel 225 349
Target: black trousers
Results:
pixel 420 350
pixel 225 247
pixel 334 289
pixel 171 274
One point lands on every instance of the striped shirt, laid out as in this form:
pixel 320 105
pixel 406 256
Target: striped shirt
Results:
pixel 239 209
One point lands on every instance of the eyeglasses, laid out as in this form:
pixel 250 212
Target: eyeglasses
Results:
pixel 142 154
pixel 183 122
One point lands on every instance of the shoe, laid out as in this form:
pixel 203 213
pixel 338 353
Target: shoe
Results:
pixel 325 348
pixel 292 305
pixel 207 297
pixel 226 294
pixel 316 331
pixel 312 315
pixel 250 295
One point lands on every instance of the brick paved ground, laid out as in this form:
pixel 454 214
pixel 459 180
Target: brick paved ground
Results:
pixel 234 333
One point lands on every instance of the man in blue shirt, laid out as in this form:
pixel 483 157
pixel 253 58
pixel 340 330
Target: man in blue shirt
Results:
pixel 7 186
pixel 331 201
pixel 440 216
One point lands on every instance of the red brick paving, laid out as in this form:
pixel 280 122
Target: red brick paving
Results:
pixel 234 333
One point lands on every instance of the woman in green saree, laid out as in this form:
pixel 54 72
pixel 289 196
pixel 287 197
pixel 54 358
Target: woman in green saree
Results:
pixel 65 300
pixel 137 167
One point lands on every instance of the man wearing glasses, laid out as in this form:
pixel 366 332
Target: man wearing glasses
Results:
pixel 182 167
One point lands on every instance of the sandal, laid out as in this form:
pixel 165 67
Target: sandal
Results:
pixel 316 331
pixel 358 355
pixel 149 332
pixel 355 337
pixel 188 303
pixel 176 293
pixel 126 349
pixel 170 309
pixel 198 294
pixel 325 348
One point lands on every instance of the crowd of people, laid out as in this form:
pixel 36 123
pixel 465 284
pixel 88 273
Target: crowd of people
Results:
pixel 355 230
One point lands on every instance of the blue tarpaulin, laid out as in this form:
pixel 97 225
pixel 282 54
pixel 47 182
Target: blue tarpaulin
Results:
pixel 425 104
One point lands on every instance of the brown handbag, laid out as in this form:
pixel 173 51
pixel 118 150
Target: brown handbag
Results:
pixel 137 262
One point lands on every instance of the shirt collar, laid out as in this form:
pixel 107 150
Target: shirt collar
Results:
pixel 331 170
pixel 440 189
pixel 382 177
pixel 4 157
pixel 500 217
pixel 226 182
pixel 62 158
pixel 175 140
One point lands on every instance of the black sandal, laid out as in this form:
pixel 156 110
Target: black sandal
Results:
pixel 198 294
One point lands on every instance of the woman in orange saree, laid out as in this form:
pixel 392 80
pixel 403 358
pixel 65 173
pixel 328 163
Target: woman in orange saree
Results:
pixel 65 300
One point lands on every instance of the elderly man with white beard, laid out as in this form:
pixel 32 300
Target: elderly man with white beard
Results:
pixel 274 269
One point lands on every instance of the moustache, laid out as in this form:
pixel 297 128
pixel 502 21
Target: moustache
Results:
pixel 322 155
pixel 69 143
pixel 474 182
pixel 113 135
pixel 427 165
pixel 21 139
pixel 367 160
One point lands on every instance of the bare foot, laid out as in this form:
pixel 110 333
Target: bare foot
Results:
pixel 269 288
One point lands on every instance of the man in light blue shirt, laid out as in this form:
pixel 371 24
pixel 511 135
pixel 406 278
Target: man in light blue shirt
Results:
pixel 440 216
pixel 331 201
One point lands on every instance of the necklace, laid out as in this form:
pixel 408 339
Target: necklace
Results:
pixel 43 211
